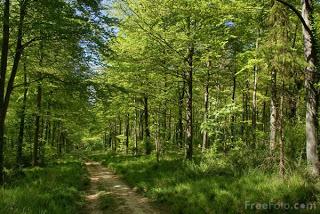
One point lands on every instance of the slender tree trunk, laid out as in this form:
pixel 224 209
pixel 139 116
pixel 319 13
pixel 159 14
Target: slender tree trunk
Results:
pixel 281 136
pixel 127 134
pixel 158 136
pixel 170 126
pixel 205 139
pixel 164 130
pixel 114 140
pixel 189 110
pixel 59 143
pixel 254 101
pixel 22 120
pixel 42 144
pixel 141 130
pixel 5 96
pixel 35 160
pixel 136 130
pixel 233 119
pixel 53 133
pixel 16 60
pixel 273 110
pixel 120 125
pixel 245 114
pixel 254 97
pixel 3 69
pixel 105 140
pixel 110 140
pixel 180 113
pixel 146 123
pixel 264 113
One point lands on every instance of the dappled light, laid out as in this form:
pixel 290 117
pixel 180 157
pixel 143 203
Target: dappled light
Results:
pixel 159 106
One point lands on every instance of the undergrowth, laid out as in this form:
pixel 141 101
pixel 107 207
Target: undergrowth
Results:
pixel 215 185
pixel 55 189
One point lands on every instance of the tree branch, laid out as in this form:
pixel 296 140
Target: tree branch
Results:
pixel 298 13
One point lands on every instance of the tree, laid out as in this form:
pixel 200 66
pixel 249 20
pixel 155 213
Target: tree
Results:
pixel 311 79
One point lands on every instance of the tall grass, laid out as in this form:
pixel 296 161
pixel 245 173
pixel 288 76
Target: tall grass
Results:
pixel 55 189
pixel 209 186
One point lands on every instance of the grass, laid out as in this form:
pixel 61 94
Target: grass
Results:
pixel 108 203
pixel 54 189
pixel 214 187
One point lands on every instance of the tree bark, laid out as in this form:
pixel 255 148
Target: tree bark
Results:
pixel 35 159
pixel 180 113
pixel 22 120
pixel 273 111
pixel 205 139
pixel 3 69
pixel 158 137
pixel 254 97
pixel 146 123
pixel 127 133
pixel 311 79
pixel 233 118
pixel 264 113
pixel 136 130
pixel 189 110
pixel 281 135
pixel 5 92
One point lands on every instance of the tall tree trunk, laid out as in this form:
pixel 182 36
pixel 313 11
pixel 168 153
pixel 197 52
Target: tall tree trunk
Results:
pixel 179 133
pixel 120 125
pixel 146 123
pixel 264 113
pixel 105 140
pixel 42 142
pixel 233 119
pixel 114 140
pixel 110 140
pixel 273 111
pixel 254 97
pixel 164 130
pixel 158 136
pixel 60 142
pixel 311 79
pixel 35 160
pixel 141 130
pixel 170 126
pixel 245 114
pixel 127 133
pixel 136 131
pixel 281 135
pixel 205 139
pixel 254 101
pixel 189 110
pixel 5 96
pixel 22 120
pixel 3 70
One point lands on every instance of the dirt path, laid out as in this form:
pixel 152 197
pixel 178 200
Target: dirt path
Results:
pixel 108 194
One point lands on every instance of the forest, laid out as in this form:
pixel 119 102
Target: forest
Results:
pixel 159 106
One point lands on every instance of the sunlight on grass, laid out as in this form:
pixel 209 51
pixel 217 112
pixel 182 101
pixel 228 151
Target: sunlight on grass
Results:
pixel 199 188
pixel 54 189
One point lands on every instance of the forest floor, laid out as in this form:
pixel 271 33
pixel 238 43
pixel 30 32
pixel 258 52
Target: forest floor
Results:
pixel 213 185
pixel 109 194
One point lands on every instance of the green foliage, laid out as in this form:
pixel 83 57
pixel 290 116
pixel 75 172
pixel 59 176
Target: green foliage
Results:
pixel 210 185
pixel 92 144
pixel 54 189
